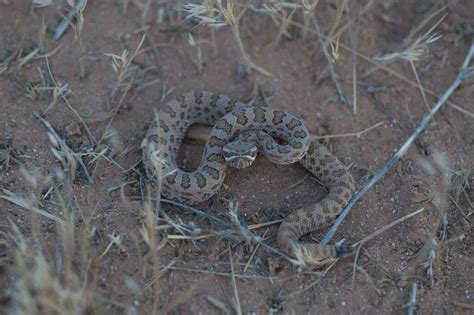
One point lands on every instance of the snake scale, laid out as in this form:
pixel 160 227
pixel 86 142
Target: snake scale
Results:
pixel 238 132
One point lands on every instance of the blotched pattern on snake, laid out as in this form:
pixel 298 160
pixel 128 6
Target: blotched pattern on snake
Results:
pixel 238 132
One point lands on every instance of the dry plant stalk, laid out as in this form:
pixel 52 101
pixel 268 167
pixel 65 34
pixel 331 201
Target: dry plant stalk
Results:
pixel 218 14
pixel 148 230
pixel 309 8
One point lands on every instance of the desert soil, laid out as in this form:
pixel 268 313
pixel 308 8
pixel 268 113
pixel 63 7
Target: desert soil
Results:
pixel 103 115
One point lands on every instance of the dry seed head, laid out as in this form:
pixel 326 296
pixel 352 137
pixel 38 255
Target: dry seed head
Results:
pixel 118 61
pixel 415 51
pixel 335 50
pixel 206 13
pixel 230 12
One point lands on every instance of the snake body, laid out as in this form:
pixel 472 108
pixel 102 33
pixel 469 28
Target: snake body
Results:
pixel 239 129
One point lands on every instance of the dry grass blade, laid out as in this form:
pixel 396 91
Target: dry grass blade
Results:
pixel 351 134
pixel 199 133
pixel 218 304
pixel 25 204
pixel 369 279
pixel 224 274
pixel 253 253
pixel 309 8
pixel 115 239
pixel 385 228
pixel 238 308
pixel 63 152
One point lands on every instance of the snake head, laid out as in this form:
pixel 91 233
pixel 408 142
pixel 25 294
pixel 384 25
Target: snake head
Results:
pixel 239 154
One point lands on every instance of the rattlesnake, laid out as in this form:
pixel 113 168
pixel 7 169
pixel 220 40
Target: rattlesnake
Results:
pixel 237 133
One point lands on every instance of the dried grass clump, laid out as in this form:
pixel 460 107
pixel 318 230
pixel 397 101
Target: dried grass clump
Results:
pixel 40 287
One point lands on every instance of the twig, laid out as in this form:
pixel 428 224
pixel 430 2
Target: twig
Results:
pixel 225 274
pixel 198 133
pixel 458 207
pixel 186 237
pixel 204 236
pixel 369 278
pixel 62 26
pixel 259 225
pixel 196 211
pixel 351 134
pixel 422 90
pixel 456 83
pixel 339 90
pixel 412 303
pixel 356 258
pixel 254 251
pixel 353 41
pixel 380 231
pixel 371 236
pixel 312 284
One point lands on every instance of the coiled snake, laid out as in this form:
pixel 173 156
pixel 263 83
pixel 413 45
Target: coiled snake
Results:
pixel 238 132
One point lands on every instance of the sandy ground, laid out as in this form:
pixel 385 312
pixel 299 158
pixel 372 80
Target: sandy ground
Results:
pixel 103 116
